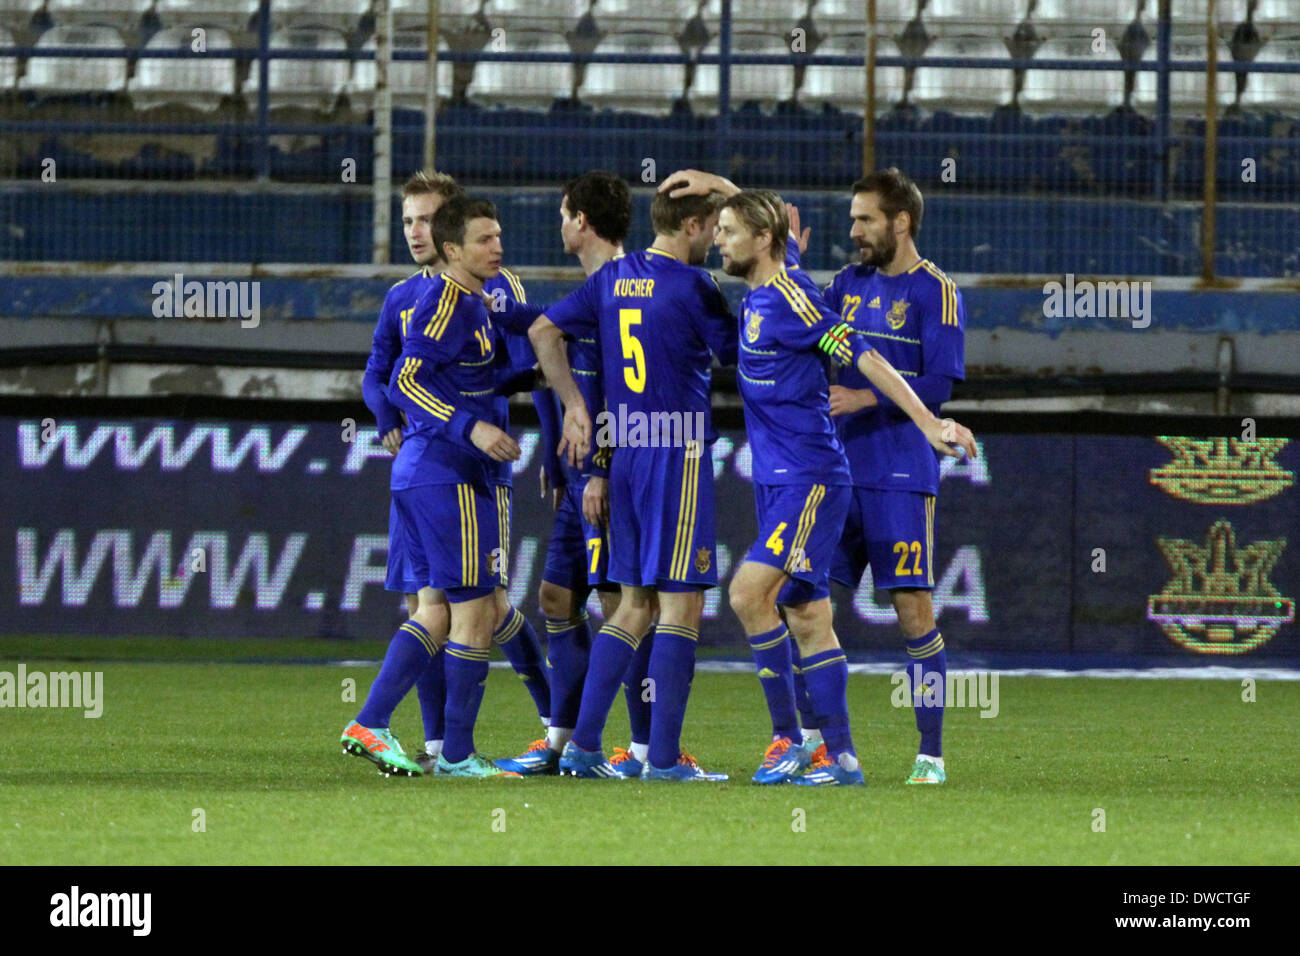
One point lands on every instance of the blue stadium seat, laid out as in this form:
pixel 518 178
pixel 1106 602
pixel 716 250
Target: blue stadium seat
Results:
pixel 766 84
pixel 344 15
pixel 233 15
pixel 1073 91
pixel 963 89
pixel 119 14
pixel 642 88
pixel 200 81
pixel 66 75
pixel 406 78
pixel 310 84
pixel 529 85
pixel 844 87
pixel 550 16
pixel 1276 92
pixel 1186 89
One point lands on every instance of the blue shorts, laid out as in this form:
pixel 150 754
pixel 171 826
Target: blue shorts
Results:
pixel 798 529
pixel 452 537
pixel 661 528
pixel 893 532
pixel 577 556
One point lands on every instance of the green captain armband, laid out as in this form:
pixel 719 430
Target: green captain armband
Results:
pixel 836 343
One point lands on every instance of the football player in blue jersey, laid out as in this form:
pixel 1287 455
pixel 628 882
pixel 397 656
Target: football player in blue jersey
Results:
pixel 423 194
pixel 659 320
pixel 912 313
pixel 801 483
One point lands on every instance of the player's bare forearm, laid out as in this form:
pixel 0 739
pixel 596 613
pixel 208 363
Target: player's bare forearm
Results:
pixel 553 359
pixel 695 182
pixel 941 433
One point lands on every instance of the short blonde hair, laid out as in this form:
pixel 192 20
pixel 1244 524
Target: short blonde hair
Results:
pixel 430 181
pixel 759 210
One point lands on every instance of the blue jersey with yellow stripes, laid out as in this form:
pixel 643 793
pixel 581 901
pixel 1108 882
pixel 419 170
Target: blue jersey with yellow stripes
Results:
pixel 514 353
pixel 786 327
pixel 656 320
pixel 917 321
pixel 445 381
pixel 386 346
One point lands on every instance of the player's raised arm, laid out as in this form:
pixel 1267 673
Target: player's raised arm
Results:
pixel 938 432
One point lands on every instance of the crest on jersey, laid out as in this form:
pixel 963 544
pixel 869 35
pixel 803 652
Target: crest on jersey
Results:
pixel 752 322
pixel 897 314
pixel 702 558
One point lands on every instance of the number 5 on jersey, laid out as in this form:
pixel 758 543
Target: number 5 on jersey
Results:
pixel 634 376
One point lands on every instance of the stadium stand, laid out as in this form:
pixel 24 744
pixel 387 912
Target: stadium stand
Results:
pixel 961 89
pixel 557 16
pixel 765 85
pixel 843 86
pixel 62 76
pixel 530 85
pixel 1073 92
pixel 642 88
pixel 8 64
pixel 201 82
pixel 669 17
pixel 342 15
pixel 121 14
pixel 310 84
pixel 232 15
pixel 406 78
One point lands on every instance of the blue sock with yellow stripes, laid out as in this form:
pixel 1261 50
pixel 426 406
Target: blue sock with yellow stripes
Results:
pixel 827 676
pixel 772 657
pixel 518 641
pixel 431 688
pixel 672 665
pixel 634 689
pixel 928 676
pixel 807 719
pixel 467 670
pixel 405 660
pixel 568 647
pixel 611 651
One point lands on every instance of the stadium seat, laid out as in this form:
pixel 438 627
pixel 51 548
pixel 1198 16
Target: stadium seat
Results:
pixel 59 75
pixel 344 15
pixel 17 14
pixel 119 14
pixel 1088 92
pixel 764 84
pixel 642 88
pixel 233 15
pixel 836 17
pixel 760 16
pixel 1081 17
pixel 1186 89
pixel 414 14
pixel 1278 92
pixel 548 16
pixel 525 84
pixel 8 64
pixel 983 18
pixel 311 84
pixel 844 87
pixel 963 89
pixel 636 16
pixel 200 81
pixel 406 78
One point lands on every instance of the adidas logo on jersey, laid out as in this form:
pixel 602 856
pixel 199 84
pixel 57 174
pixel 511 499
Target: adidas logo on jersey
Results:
pixel 874 303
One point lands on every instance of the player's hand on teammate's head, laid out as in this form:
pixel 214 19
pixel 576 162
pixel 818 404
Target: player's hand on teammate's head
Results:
pixel 595 501
pixel 695 182
pixel 392 442
pixel 576 442
pixel 801 236
pixel 493 442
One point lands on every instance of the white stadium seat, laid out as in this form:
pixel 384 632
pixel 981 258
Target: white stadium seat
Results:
pixel 406 78
pixel 8 64
pixel 990 18
pixel 342 15
pixel 414 14
pixel 120 14
pixel 311 84
pixel 637 16
pixel 233 15
pixel 850 16
pixel 547 16
pixel 765 84
pixel 57 75
pixel 1083 15
pixel 1186 89
pixel 963 89
pixel 643 88
pixel 1275 91
pixel 845 87
pixel 200 81
pixel 17 14
pixel 529 85
pixel 1073 91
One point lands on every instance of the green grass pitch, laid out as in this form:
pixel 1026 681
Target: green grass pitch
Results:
pixel 1186 772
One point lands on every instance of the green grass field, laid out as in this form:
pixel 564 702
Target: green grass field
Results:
pixel 1186 772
